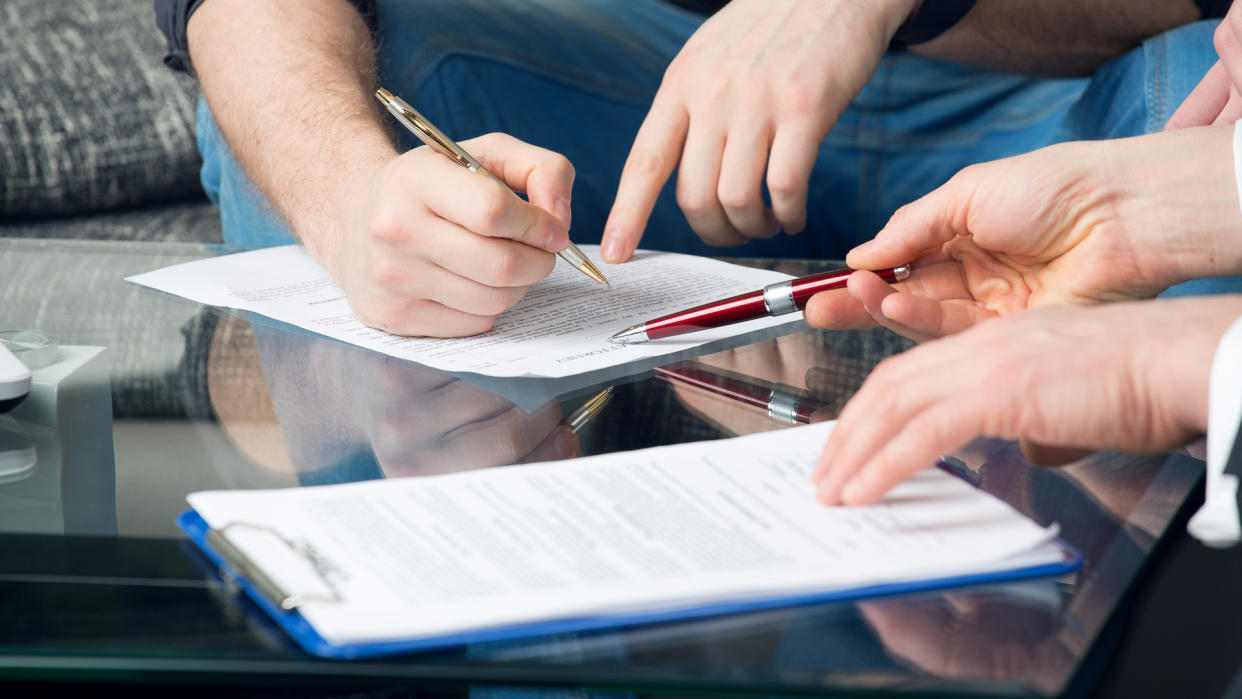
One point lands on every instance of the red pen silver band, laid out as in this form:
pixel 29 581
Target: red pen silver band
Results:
pixel 773 300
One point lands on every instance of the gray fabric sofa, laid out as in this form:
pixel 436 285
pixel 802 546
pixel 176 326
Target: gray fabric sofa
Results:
pixel 96 135
pixel 97 143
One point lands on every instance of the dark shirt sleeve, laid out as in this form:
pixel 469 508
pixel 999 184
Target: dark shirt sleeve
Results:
pixel 172 16
pixel 705 7
pixel 1213 9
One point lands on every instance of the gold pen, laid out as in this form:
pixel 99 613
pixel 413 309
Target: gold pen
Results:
pixel 434 137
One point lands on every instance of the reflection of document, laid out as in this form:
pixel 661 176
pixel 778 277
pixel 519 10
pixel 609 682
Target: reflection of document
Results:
pixel 658 531
pixel 560 328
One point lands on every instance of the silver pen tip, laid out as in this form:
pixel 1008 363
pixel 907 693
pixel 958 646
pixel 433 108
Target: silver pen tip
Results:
pixel 631 335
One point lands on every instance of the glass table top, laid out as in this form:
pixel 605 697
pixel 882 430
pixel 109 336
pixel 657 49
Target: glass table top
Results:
pixel 153 397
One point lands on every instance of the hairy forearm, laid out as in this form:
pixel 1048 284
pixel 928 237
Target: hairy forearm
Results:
pixel 289 83
pixel 1054 37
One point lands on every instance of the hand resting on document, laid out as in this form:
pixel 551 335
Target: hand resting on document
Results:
pixel 1130 376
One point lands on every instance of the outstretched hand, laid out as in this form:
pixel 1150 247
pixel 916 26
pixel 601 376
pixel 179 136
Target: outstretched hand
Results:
pixel 1072 224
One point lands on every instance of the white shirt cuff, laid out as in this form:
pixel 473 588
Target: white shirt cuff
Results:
pixel 1216 523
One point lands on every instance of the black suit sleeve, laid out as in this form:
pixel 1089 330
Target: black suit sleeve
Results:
pixel 172 16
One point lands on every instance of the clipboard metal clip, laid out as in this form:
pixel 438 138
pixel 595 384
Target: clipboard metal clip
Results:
pixel 277 594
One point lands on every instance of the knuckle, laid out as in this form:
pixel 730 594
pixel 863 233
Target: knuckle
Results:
pixel 969 173
pixel 503 267
pixel 383 224
pixel 679 68
pixel 694 199
pixel 798 100
pixel 733 197
pixel 783 185
pixel 491 211
pixel 901 215
pixel 924 430
pixel 1222 38
pixel 645 163
pixel 559 165
pixel 498 300
pixel 387 274
pixel 478 325
pixel 390 317
pixel 492 139
pixel 718 86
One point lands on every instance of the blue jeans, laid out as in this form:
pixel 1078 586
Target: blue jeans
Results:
pixel 578 77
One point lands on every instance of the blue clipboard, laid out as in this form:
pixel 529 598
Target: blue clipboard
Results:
pixel 294 624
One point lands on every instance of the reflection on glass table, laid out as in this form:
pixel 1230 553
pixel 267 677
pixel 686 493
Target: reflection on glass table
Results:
pixel 202 399
pixel 55 449
pixel 341 413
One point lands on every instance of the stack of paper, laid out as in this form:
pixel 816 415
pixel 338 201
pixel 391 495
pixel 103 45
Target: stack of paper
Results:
pixel 665 533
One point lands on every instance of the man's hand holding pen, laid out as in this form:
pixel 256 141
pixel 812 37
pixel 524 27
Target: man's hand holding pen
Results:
pixel 434 249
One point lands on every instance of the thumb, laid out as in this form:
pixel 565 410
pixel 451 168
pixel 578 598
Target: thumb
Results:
pixel 921 227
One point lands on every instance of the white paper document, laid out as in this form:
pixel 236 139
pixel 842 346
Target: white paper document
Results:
pixel 643 531
pixel 560 328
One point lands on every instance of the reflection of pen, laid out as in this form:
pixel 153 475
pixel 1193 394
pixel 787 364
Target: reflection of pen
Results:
pixel 783 404
pixel 586 412
pixel 434 137
pixel 772 300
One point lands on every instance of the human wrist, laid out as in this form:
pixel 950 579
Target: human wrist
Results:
pixel 323 226
pixel 1185 209
pixel 1183 367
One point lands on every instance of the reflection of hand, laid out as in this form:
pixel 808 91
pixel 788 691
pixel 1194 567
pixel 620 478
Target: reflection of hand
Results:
pixel 421 421
pixel 1073 224
pixel 1216 99
pixel 755 90
pixel 434 249
pixel 977 636
pixel 333 400
pixel 1130 376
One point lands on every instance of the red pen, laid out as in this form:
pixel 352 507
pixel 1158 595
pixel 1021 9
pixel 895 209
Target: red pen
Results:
pixel 772 300
pixel 784 404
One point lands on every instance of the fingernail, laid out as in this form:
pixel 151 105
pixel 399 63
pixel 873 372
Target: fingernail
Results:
pixel 613 248
pixel 562 210
pixel 861 249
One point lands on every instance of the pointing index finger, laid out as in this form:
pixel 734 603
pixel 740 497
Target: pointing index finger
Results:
pixel 653 157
